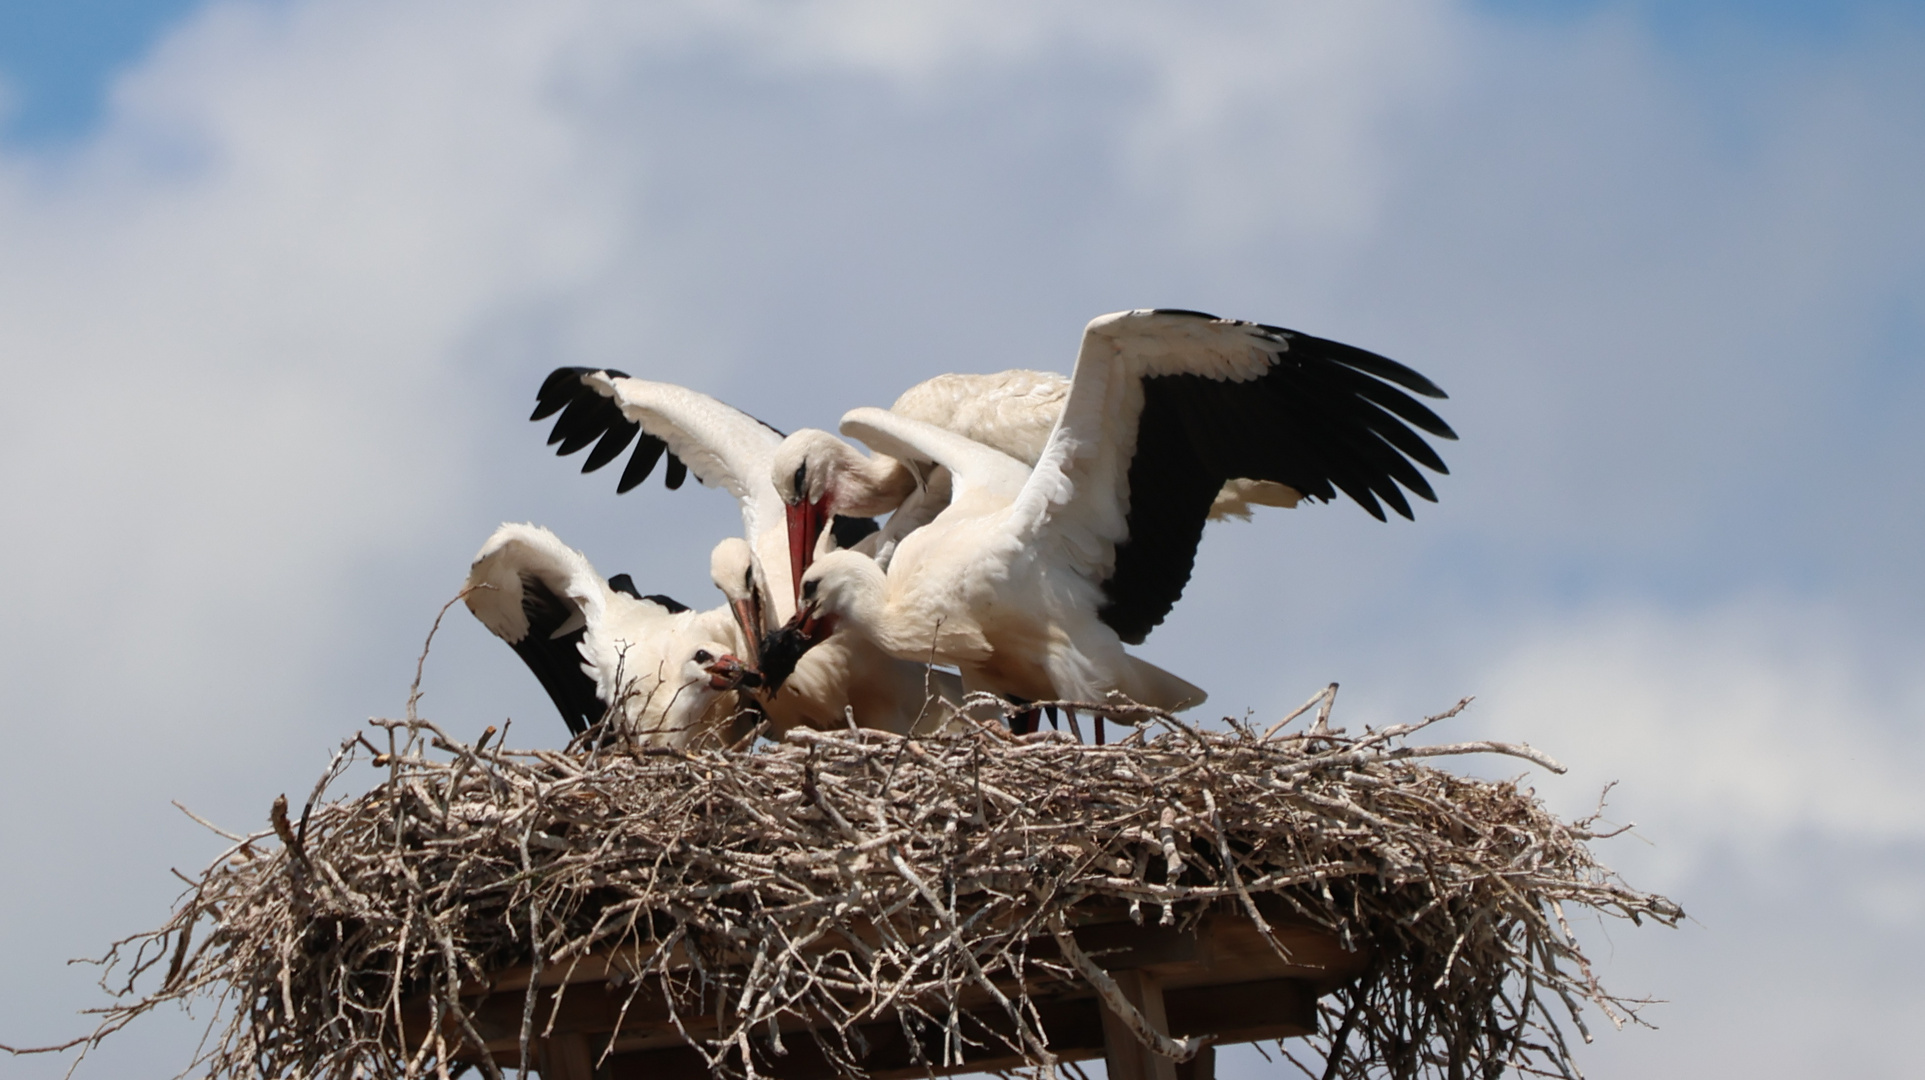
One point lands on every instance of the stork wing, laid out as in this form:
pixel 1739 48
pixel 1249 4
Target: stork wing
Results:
pixel 1166 406
pixel 539 595
pixel 723 446
pixel 1013 411
pixel 972 465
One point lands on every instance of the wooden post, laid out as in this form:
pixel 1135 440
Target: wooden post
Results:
pixel 1200 1067
pixel 565 1056
pixel 1128 1058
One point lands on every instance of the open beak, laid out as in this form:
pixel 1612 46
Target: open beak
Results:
pixel 728 673
pixel 812 625
pixel 806 521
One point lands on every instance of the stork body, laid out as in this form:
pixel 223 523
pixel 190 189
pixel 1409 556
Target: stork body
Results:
pixel 1032 580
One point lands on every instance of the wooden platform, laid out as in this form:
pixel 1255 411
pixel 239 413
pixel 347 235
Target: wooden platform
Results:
pixel 1223 980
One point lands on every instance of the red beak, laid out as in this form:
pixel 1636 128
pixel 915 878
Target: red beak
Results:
pixel 748 616
pixel 728 673
pixel 814 626
pixel 806 521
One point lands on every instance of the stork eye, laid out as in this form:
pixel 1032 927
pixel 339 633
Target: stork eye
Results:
pixel 702 657
pixel 808 588
pixel 802 480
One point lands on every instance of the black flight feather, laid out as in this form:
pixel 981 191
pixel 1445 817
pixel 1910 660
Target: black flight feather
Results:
pixel 648 451
pixel 614 441
pixel 1327 418
pixel 557 661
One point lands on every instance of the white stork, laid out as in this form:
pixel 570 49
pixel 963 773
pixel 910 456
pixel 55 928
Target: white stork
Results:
pixel 596 646
pixel 820 477
pixel 725 447
pixel 1032 580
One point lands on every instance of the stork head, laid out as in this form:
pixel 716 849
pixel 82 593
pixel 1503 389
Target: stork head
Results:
pixel 841 586
pixel 807 471
pixel 733 569
pixel 681 709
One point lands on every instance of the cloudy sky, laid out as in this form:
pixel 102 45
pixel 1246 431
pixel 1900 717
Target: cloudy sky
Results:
pixel 278 279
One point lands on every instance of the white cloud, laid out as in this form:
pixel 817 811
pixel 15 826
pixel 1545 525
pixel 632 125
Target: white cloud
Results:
pixel 1733 727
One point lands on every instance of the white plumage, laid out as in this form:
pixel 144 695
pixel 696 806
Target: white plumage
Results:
pixel 845 678
pixel 721 445
pixel 664 669
pixel 1031 580
pixel 819 475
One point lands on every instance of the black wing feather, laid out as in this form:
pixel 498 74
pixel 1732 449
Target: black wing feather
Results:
pixel 1364 360
pixel 583 421
pixel 648 451
pixel 850 531
pixel 557 661
pixel 588 417
pixel 1327 418
pixel 614 441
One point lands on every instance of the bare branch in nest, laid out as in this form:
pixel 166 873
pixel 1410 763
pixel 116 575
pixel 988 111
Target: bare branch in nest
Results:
pixel 845 878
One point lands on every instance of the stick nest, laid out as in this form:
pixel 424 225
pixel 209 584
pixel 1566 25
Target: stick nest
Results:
pixel 837 878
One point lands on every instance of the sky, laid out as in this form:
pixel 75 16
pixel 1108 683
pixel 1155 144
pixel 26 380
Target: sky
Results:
pixel 278 281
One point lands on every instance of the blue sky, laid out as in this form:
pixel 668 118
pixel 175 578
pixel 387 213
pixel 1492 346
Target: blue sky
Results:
pixel 277 282
pixel 60 58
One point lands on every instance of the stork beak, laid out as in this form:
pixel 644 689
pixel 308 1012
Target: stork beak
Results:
pixel 812 625
pixel 806 521
pixel 748 616
pixel 728 673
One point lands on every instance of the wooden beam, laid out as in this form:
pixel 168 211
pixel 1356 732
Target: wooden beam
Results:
pixel 1117 946
pixel 1222 978
pixel 1127 1057
pixel 1269 1009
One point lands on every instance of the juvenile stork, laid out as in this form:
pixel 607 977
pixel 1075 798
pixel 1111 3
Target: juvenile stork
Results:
pixel 599 649
pixel 844 678
pixel 1031 581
